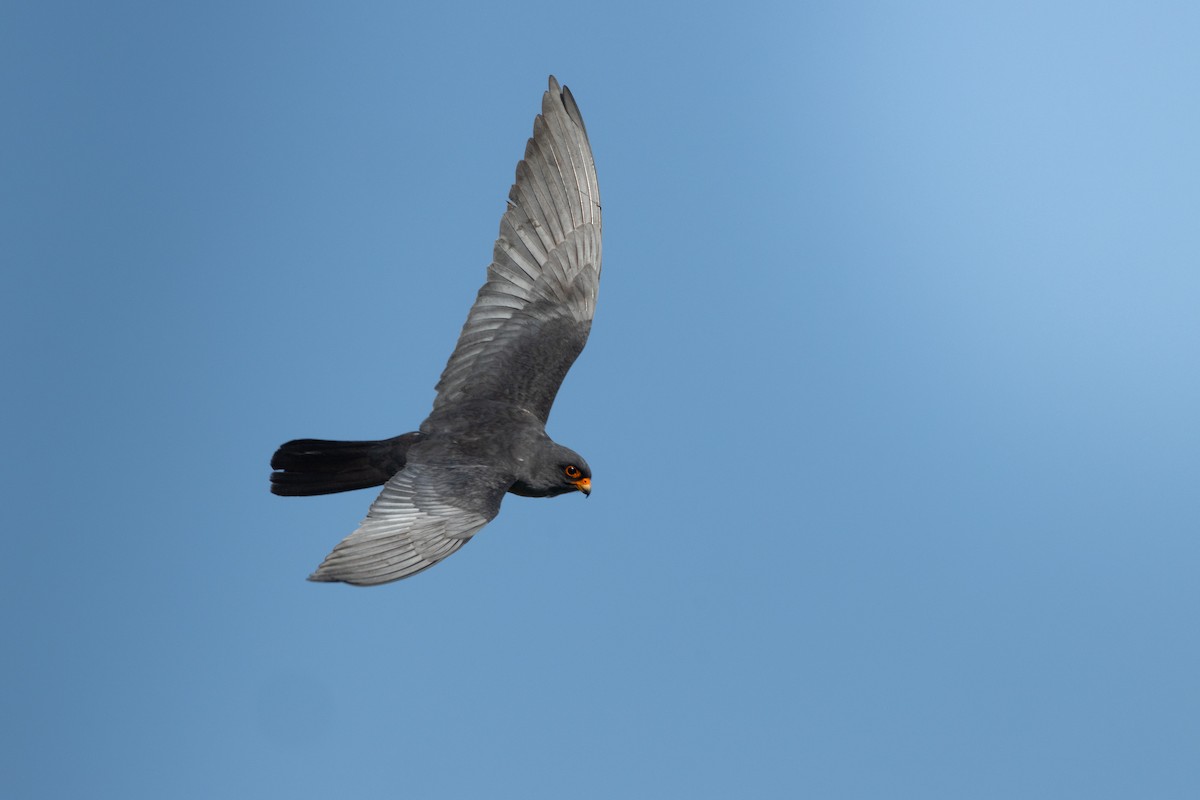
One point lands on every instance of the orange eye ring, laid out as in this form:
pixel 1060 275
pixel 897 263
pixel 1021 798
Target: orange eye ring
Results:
pixel 572 471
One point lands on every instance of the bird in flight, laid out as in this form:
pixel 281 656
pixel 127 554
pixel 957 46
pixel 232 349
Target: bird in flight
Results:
pixel 486 434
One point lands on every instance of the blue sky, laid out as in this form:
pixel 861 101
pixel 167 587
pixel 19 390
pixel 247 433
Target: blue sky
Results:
pixel 891 401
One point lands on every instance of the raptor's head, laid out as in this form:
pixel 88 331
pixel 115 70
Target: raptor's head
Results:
pixel 553 470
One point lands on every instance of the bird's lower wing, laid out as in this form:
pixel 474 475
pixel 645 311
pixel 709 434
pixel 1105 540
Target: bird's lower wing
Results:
pixel 423 514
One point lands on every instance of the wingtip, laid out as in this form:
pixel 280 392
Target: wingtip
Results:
pixel 573 111
pixel 562 95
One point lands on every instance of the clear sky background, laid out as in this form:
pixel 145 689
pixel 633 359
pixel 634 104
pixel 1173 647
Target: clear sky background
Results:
pixel 891 398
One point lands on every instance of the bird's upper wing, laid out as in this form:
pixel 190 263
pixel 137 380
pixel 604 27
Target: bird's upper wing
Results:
pixel 423 514
pixel 532 317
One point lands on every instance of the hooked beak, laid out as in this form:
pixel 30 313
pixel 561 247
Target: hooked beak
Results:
pixel 584 485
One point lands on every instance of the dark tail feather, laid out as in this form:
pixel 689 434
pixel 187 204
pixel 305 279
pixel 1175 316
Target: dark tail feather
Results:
pixel 320 466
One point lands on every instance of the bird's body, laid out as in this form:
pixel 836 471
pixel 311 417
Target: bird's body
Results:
pixel 486 433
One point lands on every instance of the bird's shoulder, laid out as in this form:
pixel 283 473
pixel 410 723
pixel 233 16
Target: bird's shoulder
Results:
pixel 477 431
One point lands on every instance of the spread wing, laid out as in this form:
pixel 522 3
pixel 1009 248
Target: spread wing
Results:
pixel 531 319
pixel 423 514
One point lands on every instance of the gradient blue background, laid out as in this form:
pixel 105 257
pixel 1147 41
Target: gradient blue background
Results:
pixel 891 400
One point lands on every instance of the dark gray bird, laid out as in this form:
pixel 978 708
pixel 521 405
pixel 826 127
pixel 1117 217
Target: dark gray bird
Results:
pixel 486 434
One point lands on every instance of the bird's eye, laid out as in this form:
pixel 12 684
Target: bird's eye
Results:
pixel 571 471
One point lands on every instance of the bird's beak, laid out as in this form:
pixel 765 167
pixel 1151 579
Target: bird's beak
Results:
pixel 584 485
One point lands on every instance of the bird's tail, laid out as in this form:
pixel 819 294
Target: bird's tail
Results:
pixel 320 466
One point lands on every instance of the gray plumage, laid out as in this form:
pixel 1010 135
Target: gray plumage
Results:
pixel 486 433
